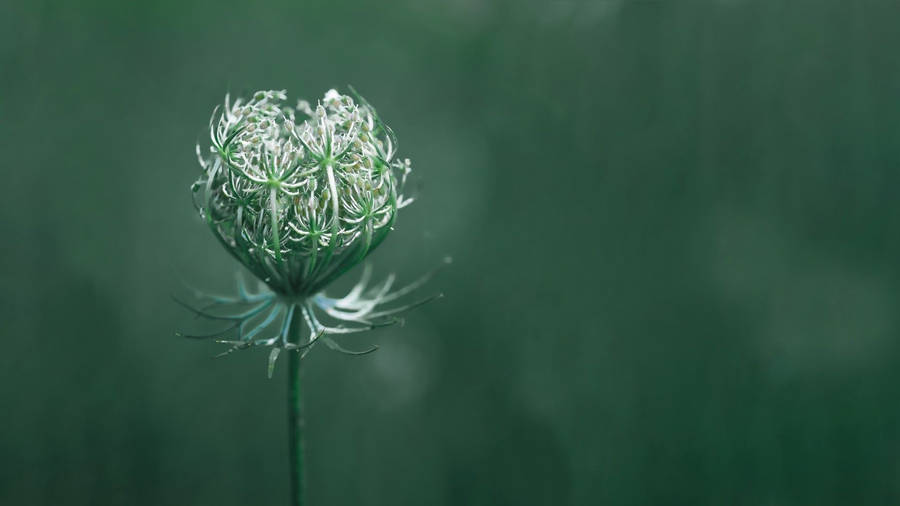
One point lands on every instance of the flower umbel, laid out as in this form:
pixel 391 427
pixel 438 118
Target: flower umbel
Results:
pixel 300 195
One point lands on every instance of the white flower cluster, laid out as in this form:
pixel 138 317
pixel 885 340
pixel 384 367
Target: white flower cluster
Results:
pixel 300 195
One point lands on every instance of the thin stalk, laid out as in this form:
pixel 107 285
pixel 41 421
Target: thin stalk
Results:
pixel 295 417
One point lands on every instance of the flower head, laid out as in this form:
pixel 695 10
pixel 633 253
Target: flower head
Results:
pixel 299 195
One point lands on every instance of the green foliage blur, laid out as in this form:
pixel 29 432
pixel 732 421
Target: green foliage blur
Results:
pixel 674 228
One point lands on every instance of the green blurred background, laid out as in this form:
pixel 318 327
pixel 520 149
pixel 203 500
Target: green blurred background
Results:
pixel 673 224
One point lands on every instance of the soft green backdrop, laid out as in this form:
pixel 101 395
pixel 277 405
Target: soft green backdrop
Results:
pixel 675 236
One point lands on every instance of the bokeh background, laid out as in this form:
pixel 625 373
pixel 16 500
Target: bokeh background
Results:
pixel 674 227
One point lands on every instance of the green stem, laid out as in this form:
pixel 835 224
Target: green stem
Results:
pixel 295 418
pixel 273 210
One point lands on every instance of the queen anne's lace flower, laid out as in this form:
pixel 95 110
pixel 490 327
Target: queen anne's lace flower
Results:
pixel 299 195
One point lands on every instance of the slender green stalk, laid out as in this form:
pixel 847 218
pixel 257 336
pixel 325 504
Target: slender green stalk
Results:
pixel 295 421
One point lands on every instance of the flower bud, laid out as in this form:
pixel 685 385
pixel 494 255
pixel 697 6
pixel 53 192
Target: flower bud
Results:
pixel 286 195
